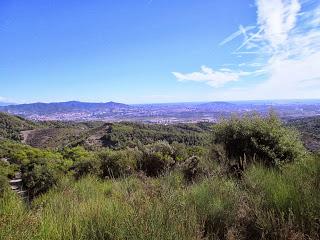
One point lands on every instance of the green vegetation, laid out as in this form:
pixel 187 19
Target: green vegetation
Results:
pixel 120 135
pixel 255 139
pixel 310 129
pixel 11 126
pixel 143 187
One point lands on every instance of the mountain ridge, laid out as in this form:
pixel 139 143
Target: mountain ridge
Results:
pixel 158 113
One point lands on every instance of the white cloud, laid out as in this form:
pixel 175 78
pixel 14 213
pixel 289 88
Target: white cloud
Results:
pixel 292 50
pixel 211 77
pixel 276 18
pixel 284 46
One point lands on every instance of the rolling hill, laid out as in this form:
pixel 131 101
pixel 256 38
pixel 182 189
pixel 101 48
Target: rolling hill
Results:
pixel 63 107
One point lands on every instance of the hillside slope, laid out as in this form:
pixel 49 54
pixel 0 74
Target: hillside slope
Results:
pixel 11 126
pixel 115 135
pixel 310 131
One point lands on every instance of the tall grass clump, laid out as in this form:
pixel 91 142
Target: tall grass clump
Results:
pixel 286 202
pixel 215 201
pixel 122 209
pixel 16 222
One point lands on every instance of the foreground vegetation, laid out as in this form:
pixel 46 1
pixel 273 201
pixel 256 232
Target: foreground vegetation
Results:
pixel 253 180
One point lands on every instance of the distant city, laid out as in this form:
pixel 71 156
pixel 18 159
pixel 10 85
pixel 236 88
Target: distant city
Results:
pixel 162 113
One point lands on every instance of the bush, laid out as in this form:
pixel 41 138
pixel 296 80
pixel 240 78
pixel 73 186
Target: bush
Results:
pixel 255 138
pixel 7 169
pixel 86 166
pixel 194 168
pixel 39 175
pixel 118 163
pixel 180 152
pixel 75 153
pixel 156 158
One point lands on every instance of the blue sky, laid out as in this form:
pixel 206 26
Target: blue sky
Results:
pixel 159 50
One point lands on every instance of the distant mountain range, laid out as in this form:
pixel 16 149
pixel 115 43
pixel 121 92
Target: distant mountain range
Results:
pixel 63 107
pixel 160 113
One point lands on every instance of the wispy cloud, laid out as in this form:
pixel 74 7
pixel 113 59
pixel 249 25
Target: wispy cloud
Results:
pixel 284 46
pixel 242 31
pixel 290 40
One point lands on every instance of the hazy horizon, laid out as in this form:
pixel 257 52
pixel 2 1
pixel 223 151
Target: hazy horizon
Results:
pixel 159 51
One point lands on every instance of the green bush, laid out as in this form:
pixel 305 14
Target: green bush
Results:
pixel 86 166
pixel 74 154
pixel 254 138
pixel 179 152
pixel 118 163
pixel 39 175
pixel 7 170
pixel 156 158
pixel 194 168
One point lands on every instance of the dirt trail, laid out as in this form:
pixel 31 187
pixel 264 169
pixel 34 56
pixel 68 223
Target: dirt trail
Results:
pixel 25 135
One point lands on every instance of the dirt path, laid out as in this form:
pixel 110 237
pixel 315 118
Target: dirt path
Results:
pixel 25 135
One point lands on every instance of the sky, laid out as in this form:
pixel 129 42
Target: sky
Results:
pixel 151 51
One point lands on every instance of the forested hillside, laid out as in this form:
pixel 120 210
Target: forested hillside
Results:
pixel 94 135
pixel 11 126
pixel 242 178
pixel 310 131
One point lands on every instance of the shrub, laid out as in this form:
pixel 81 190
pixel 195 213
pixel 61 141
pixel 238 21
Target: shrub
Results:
pixel 193 168
pixel 156 158
pixel 75 153
pixel 255 138
pixel 179 152
pixel 118 163
pixel 86 165
pixel 39 175
pixel 7 169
